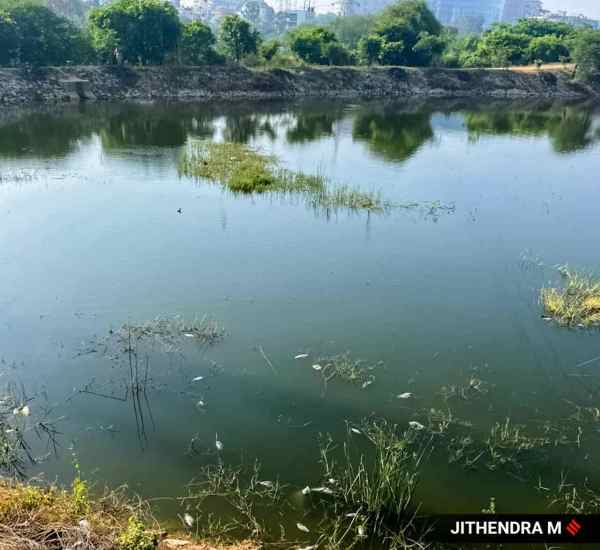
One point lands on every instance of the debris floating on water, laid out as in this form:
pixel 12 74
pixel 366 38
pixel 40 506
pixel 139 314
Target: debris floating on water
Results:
pixel 303 527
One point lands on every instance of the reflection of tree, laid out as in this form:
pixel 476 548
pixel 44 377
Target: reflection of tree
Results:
pixel 43 135
pixel 393 135
pixel 242 127
pixel 311 125
pixel 154 126
pixel 569 129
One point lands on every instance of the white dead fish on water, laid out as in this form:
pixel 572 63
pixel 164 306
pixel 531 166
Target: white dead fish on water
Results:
pixel 201 404
pixel 362 533
pixel 218 444
pixel 301 356
pixel 317 367
pixel 198 378
pixel 188 335
pixel 366 384
pixel 303 527
pixel 267 484
pixel 306 490
pixel 312 547
pixel 22 411
pixel 416 425
pixel 405 395
pixel 188 520
pixel 355 431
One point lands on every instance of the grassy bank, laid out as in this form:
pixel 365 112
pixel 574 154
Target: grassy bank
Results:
pixel 40 517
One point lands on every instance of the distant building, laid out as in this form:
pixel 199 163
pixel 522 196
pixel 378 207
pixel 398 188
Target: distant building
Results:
pixel 575 20
pixel 520 9
pixel 451 12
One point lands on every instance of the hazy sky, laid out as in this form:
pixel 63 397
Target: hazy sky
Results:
pixel 591 8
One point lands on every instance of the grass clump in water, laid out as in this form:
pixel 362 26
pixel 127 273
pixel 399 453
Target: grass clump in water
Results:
pixel 244 170
pixel 372 491
pixel 576 304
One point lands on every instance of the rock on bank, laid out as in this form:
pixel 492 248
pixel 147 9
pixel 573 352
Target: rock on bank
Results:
pixel 116 83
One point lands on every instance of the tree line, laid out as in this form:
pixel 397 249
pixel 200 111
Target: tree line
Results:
pixel 150 32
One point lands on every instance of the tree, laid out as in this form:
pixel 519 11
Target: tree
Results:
pixel 238 37
pixel 269 49
pixel 407 29
pixel 8 39
pixel 337 54
pixel 145 31
pixel 44 38
pixel 586 53
pixel 548 49
pixel 369 48
pixel 310 43
pixel 196 45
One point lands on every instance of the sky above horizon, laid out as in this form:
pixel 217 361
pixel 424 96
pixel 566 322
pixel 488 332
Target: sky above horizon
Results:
pixel 591 8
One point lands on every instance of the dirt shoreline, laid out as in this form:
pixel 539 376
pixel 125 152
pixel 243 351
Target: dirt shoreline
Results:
pixel 115 83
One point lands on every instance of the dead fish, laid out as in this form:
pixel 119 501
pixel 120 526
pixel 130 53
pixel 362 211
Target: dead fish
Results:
pixel 366 384
pixel 317 367
pixel 405 395
pixel 268 484
pixel 306 490
pixel 188 334
pixel 416 425
pixel 332 481
pixel 200 404
pixel 312 547
pixel 22 411
pixel 188 520
pixel 362 531
pixel 218 444
pixel 303 527
pixel 198 378
pixel 355 431
pixel 351 515
pixel 301 356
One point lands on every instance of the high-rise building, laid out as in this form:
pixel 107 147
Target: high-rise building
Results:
pixel 451 12
pixel 519 9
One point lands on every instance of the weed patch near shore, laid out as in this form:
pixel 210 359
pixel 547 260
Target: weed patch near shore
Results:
pixel 576 304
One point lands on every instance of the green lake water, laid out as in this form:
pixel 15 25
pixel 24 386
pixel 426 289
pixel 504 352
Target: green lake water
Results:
pixel 91 238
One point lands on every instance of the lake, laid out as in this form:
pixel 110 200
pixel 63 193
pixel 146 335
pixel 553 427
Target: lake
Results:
pixel 439 296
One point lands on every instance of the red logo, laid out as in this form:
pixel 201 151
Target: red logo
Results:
pixel 573 527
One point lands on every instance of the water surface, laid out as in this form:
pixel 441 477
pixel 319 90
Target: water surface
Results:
pixel 91 238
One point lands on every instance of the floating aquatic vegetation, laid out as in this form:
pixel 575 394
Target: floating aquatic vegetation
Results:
pixel 347 368
pixel 168 333
pixel 576 304
pixel 244 170
pixel 372 496
pixel 249 499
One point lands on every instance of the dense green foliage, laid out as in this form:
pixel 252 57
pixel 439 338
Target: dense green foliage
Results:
pixel 238 37
pixel 196 45
pixel 32 34
pixel 144 31
pixel 586 52
pixel 405 33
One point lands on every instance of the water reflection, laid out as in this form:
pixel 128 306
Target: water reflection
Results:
pixel 391 130
pixel 569 129
pixel 392 134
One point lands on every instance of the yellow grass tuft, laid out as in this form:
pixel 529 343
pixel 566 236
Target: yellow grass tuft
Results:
pixel 578 303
